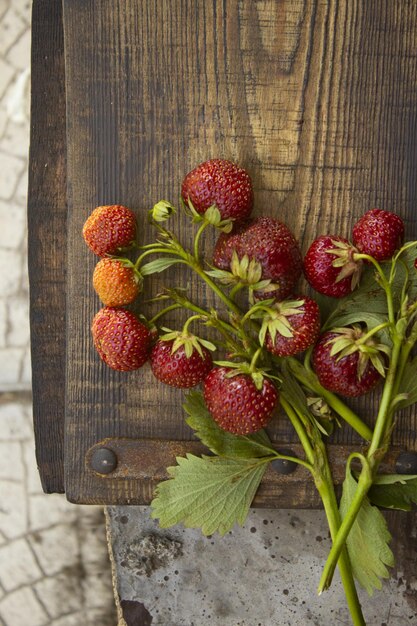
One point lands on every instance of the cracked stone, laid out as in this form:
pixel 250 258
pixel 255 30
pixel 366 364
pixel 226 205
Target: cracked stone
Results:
pixel 22 607
pixel 13 226
pixel 10 368
pixel 3 322
pixel 44 512
pixel 19 566
pixel 11 463
pixel 11 169
pixel 33 481
pixel 12 27
pixel 13 509
pixel 15 139
pixel 14 422
pixel 18 334
pixel 19 53
pixel 6 75
pixel 56 548
pixel 61 594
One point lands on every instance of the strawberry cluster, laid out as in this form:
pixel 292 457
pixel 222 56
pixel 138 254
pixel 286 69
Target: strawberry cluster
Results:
pixel 257 254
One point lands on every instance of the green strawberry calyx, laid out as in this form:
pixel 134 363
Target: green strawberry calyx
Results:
pixel 185 339
pixel 347 260
pixel 354 339
pixel 211 217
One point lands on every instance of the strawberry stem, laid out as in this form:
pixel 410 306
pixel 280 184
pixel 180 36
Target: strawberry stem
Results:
pixel 188 322
pixel 370 464
pixel 171 307
pixel 197 240
pixel 308 378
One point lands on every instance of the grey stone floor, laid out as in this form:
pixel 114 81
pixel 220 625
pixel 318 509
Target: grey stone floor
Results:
pixel 54 566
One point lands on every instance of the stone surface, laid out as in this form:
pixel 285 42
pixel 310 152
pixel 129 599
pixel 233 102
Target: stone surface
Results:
pixel 19 566
pixel 263 574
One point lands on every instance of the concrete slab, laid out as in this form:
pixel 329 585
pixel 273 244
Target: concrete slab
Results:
pixel 263 574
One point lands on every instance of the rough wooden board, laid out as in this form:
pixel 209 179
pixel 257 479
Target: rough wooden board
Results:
pixel 316 99
pixel 47 214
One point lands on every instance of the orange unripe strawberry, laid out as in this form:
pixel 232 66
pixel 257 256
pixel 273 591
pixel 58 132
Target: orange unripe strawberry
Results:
pixel 120 338
pixel 109 229
pixel 116 281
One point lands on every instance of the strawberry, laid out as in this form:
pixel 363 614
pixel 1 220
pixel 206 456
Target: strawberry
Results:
pixel 236 404
pixel 109 229
pixel 348 363
pixel 378 233
pixel 330 266
pixel 121 340
pixel 269 242
pixel 291 326
pixel 179 367
pixel 116 281
pixel 221 183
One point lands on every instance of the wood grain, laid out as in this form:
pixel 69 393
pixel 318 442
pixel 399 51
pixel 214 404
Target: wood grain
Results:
pixel 316 99
pixel 47 215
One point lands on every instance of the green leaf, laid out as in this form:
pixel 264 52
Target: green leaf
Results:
pixel 218 440
pixel 211 493
pixel 367 542
pixel 408 384
pixel 394 491
pixel 159 265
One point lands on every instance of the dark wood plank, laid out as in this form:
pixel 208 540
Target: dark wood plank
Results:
pixel 47 213
pixel 316 99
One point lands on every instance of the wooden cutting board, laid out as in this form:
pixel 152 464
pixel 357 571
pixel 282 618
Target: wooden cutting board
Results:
pixel 316 99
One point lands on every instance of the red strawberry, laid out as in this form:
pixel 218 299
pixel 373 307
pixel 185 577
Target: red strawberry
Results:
pixel 378 233
pixel 109 229
pixel 221 183
pixel 235 403
pixel 174 367
pixel 121 340
pixel 116 281
pixel 291 326
pixel 330 268
pixel 349 368
pixel 269 242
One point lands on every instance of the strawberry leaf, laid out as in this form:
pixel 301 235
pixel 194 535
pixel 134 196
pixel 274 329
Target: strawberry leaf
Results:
pixel 367 542
pixel 218 440
pixel 159 265
pixel 408 384
pixel 211 493
pixel 394 491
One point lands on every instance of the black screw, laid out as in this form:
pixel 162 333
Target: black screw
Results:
pixel 284 466
pixel 406 463
pixel 103 461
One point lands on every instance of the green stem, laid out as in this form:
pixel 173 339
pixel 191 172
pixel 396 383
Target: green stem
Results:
pixel 155 250
pixel 374 457
pixel 339 541
pixel 225 299
pixel 197 240
pixel 162 312
pixel 326 491
pixel 384 282
pixel 188 322
pixel 298 427
pixel 372 332
pixel 235 290
pixel 307 377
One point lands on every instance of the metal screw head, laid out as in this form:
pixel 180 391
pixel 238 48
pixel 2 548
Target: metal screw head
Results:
pixel 406 463
pixel 283 466
pixel 103 461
